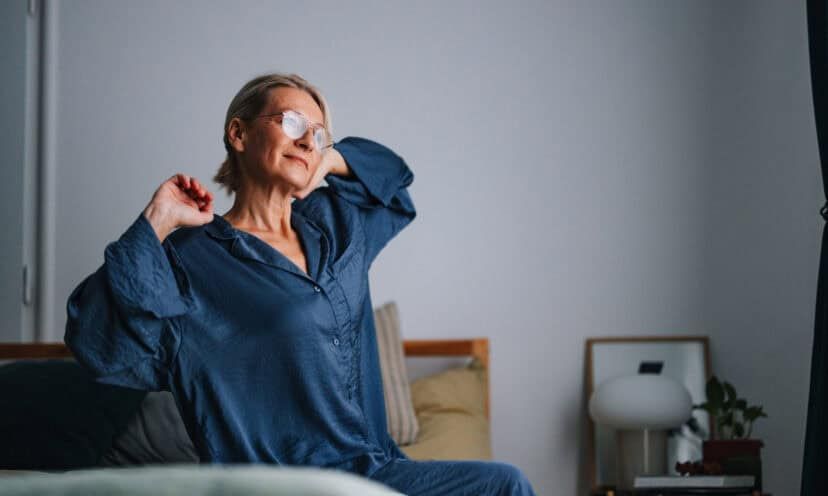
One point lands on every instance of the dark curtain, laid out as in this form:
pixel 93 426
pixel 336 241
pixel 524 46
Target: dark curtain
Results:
pixel 814 466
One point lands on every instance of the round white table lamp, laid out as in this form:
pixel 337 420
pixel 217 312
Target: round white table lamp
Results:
pixel 642 408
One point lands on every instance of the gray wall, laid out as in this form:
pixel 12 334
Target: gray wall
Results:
pixel 763 193
pixel 575 169
pixel 16 51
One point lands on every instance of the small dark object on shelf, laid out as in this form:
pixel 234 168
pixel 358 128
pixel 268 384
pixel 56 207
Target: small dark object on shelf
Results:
pixel 700 492
pixel 699 468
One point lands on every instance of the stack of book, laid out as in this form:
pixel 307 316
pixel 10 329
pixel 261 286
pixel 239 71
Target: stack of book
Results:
pixel 695 485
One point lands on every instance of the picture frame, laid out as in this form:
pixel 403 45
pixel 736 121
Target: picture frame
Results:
pixel 686 359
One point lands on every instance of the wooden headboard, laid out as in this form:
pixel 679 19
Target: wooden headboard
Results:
pixel 474 347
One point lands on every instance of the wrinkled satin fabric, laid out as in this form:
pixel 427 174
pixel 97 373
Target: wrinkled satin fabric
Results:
pixel 268 364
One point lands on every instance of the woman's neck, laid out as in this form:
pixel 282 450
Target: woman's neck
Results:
pixel 261 210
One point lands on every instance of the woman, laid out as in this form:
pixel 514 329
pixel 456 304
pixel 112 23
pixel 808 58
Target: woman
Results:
pixel 259 321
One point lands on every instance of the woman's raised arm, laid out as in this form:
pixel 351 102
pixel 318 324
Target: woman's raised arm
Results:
pixel 376 181
pixel 120 319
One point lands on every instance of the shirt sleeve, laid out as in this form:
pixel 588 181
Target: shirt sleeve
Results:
pixel 378 189
pixel 120 318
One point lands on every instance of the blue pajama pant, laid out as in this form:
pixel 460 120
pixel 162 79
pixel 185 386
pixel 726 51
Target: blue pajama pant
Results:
pixel 453 478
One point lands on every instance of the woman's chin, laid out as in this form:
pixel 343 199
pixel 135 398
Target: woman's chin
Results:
pixel 298 179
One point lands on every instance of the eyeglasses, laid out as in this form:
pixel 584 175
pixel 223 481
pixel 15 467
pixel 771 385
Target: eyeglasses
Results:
pixel 295 125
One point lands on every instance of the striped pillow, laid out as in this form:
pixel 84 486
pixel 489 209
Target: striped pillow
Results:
pixel 399 409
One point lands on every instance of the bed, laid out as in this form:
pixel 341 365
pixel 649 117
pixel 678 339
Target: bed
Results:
pixel 451 408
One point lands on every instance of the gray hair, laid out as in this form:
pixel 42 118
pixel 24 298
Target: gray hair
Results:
pixel 247 104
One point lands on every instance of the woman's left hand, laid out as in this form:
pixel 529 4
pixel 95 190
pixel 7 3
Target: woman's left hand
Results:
pixel 331 163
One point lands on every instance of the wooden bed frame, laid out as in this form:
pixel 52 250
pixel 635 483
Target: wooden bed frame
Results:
pixel 474 347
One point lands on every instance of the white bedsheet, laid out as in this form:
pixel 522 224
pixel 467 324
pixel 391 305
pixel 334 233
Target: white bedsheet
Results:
pixel 196 480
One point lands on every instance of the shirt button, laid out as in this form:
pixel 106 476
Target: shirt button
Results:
pixel 317 289
pixel 336 341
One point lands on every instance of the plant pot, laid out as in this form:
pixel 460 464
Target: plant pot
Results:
pixel 736 456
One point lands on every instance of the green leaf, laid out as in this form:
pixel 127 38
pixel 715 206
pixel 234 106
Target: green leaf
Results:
pixel 731 392
pixel 754 412
pixel 738 429
pixel 741 404
pixel 726 419
pixel 715 393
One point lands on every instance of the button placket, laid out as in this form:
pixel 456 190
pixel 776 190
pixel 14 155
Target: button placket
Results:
pixel 344 352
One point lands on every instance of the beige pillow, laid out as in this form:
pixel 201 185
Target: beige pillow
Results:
pixel 451 409
pixel 399 411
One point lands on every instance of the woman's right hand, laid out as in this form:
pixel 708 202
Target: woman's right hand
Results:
pixel 180 201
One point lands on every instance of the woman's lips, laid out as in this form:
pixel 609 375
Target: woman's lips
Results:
pixel 300 159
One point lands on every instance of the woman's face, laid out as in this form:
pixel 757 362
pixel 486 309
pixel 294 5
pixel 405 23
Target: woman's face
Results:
pixel 270 155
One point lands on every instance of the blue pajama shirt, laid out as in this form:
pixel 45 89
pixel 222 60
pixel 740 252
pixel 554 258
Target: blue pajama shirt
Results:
pixel 269 364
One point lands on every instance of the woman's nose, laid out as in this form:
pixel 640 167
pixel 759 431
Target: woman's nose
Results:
pixel 306 140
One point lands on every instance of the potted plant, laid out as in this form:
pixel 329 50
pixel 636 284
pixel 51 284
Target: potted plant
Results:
pixel 730 444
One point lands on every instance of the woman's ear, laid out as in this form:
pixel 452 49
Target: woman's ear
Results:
pixel 236 134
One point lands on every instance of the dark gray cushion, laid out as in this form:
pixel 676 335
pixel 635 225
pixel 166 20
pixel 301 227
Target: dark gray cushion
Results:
pixel 155 434
pixel 54 416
